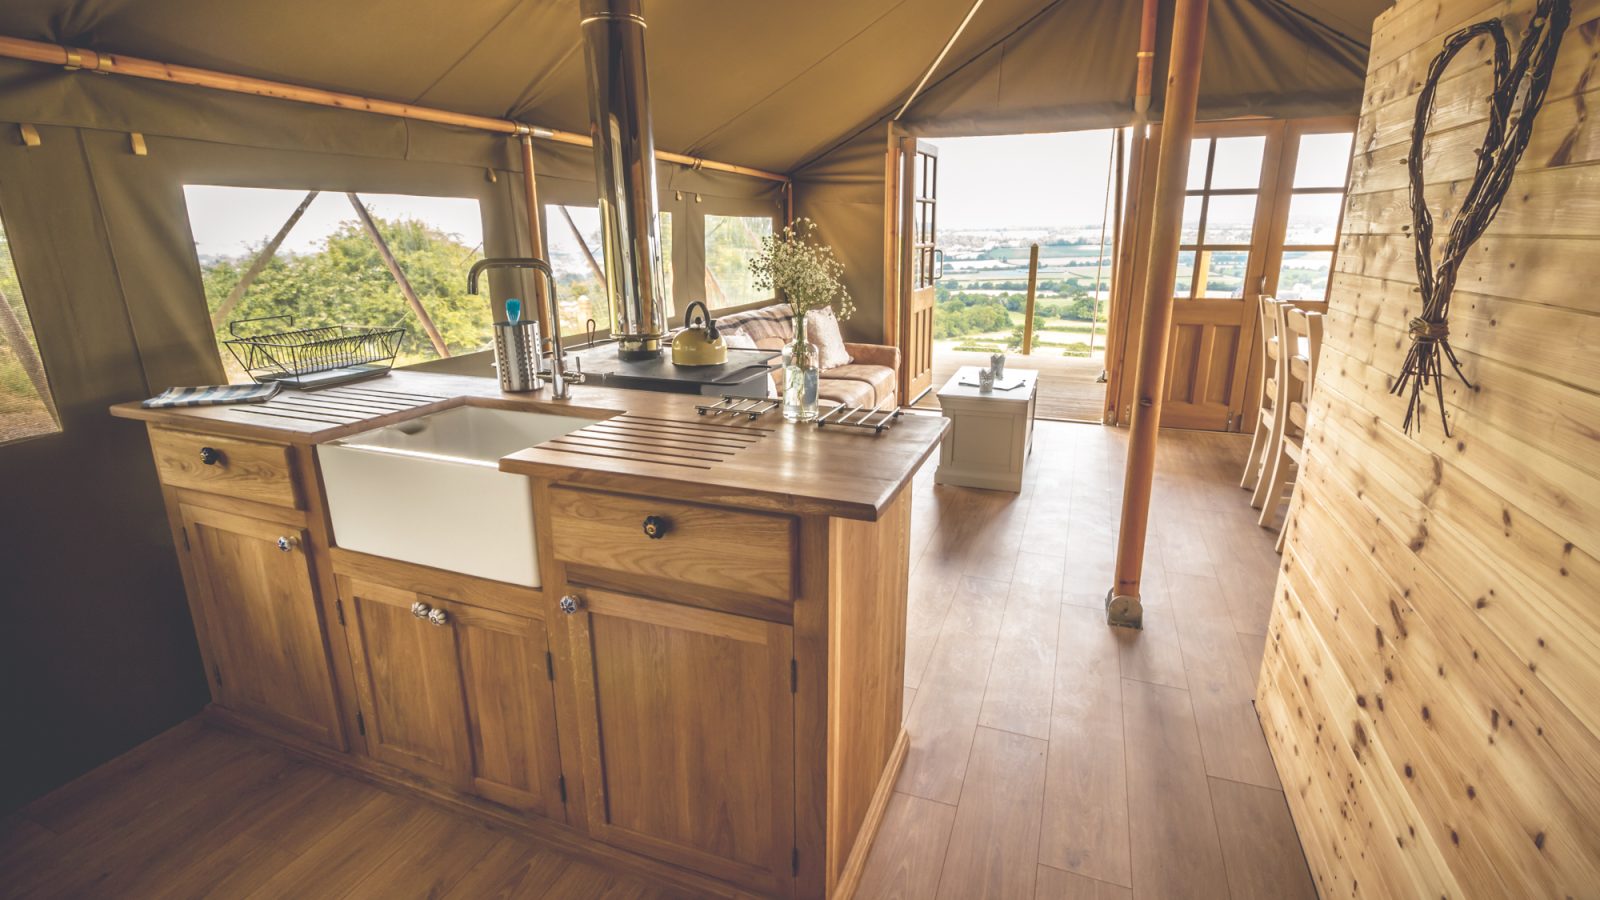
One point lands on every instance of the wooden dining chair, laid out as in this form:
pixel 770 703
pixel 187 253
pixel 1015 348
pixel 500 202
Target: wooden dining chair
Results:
pixel 1267 355
pixel 1299 349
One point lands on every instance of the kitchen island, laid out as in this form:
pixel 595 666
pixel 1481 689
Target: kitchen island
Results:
pixel 705 682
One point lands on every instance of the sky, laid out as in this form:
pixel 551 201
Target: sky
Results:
pixel 1055 180
pixel 1018 181
pixel 227 221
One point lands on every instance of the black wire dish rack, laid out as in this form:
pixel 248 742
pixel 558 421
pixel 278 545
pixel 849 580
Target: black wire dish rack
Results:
pixel 313 357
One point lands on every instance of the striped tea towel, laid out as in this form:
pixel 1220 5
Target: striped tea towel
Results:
pixel 213 395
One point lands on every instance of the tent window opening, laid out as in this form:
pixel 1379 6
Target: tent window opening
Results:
pixel 731 242
pixel 577 257
pixel 26 407
pixel 334 258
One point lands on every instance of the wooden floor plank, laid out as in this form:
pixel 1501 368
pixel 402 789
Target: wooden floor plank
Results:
pixel 1054 884
pixel 950 698
pixel 1176 853
pixel 994 847
pixel 1152 654
pixel 909 853
pixel 1263 856
pixel 1221 684
pixel 1022 678
pixel 1085 821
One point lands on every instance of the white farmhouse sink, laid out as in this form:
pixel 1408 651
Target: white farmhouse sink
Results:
pixel 430 491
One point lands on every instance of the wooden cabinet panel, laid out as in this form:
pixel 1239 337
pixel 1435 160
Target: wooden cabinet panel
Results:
pixel 686 718
pixel 510 705
pixel 747 552
pixel 246 470
pixel 458 694
pixel 409 684
pixel 259 604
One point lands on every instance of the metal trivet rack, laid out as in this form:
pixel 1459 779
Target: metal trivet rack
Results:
pixel 314 357
pixel 751 408
pixel 856 415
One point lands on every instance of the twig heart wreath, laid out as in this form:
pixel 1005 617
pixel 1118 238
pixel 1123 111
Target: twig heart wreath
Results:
pixel 1507 136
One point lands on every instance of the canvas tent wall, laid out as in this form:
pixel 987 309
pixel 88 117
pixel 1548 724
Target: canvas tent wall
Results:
pixel 99 654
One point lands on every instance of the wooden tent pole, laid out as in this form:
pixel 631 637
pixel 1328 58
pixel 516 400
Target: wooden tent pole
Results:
pixel 136 67
pixel 530 189
pixel 400 276
pixel 225 309
pixel 1123 606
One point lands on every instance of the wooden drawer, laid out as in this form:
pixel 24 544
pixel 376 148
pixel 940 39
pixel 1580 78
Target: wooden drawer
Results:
pixel 750 553
pixel 247 470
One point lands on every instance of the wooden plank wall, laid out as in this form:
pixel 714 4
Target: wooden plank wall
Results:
pixel 1431 688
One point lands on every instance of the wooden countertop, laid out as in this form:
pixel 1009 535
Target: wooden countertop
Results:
pixel 766 464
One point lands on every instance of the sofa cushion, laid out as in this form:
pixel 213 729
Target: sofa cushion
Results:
pixel 775 321
pixel 846 390
pixel 822 330
pixel 879 379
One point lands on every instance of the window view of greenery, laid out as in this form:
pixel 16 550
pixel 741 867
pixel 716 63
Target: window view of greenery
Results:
pixel 730 243
pixel 26 407
pixel 988 315
pixel 325 269
pixel 572 239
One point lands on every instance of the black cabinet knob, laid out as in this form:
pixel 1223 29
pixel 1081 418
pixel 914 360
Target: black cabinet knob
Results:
pixel 210 455
pixel 656 527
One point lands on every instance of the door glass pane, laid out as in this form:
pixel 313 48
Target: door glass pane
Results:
pixel 572 234
pixel 1238 162
pixel 1185 274
pixel 1222 274
pixel 1198 159
pixel 1191 220
pixel 1313 219
pixel 1323 160
pixel 1304 274
pixel 1230 219
pixel 731 241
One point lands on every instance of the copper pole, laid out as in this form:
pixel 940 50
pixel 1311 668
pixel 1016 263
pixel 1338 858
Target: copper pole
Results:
pixel 530 189
pixel 1122 287
pixel 74 58
pixel 1123 605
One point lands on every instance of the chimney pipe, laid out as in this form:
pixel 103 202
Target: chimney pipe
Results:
pixel 624 166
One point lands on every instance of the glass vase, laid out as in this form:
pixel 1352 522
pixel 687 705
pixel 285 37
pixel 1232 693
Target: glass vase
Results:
pixel 801 374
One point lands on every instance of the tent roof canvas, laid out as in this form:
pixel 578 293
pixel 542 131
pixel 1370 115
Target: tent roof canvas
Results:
pixel 770 85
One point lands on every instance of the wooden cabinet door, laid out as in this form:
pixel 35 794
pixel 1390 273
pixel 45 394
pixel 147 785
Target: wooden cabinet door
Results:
pixel 456 693
pixel 506 687
pixel 259 604
pixel 686 720
pixel 408 682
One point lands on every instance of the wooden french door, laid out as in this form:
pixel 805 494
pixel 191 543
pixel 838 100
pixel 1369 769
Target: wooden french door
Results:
pixel 1261 216
pixel 919 265
pixel 1233 173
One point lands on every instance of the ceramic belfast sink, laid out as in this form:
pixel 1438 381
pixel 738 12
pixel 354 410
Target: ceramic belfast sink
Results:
pixel 430 491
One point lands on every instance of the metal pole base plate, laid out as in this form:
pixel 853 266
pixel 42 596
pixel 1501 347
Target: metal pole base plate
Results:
pixel 1124 611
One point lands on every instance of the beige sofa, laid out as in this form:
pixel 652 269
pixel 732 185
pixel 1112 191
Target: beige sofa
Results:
pixel 870 379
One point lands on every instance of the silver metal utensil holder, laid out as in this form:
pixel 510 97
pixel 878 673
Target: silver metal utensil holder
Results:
pixel 517 351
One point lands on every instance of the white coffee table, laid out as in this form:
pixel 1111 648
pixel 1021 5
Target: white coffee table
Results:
pixel 990 435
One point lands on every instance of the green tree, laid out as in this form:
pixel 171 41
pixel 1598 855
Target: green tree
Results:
pixel 346 282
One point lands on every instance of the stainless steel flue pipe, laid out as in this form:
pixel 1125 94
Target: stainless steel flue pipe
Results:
pixel 624 165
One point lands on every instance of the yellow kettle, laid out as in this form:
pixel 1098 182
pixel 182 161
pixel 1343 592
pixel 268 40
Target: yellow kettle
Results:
pixel 698 344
